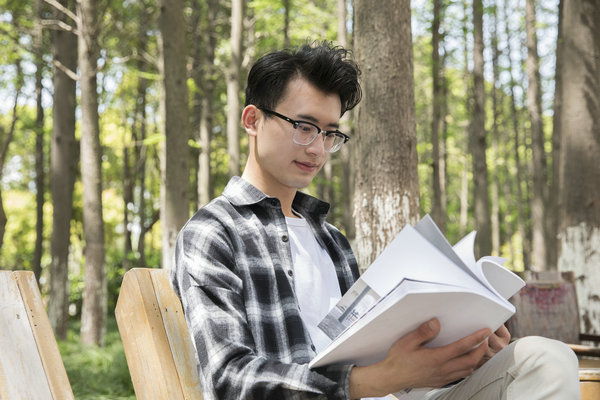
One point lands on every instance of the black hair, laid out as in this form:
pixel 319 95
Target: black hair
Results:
pixel 324 65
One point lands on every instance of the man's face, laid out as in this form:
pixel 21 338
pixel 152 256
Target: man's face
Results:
pixel 284 164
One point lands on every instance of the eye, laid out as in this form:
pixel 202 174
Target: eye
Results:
pixel 305 128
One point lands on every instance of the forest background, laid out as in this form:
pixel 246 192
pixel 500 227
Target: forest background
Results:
pixel 118 119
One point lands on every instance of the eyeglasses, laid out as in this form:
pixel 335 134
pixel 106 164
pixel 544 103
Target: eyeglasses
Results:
pixel 306 132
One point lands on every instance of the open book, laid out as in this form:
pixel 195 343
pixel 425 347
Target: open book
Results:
pixel 418 276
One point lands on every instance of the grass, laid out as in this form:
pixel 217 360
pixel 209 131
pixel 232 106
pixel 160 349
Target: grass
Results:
pixel 97 373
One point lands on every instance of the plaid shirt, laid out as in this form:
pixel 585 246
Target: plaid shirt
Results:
pixel 233 273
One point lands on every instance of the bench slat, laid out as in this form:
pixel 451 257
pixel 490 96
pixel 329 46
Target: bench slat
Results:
pixel 156 364
pixel 30 366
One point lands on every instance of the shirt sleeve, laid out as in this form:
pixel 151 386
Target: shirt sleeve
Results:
pixel 230 368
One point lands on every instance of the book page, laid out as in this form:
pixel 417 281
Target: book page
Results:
pixel 411 256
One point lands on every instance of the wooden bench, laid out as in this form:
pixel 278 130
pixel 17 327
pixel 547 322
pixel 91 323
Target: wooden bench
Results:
pixel 158 348
pixel 159 351
pixel 30 364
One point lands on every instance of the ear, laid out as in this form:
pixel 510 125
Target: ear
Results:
pixel 250 118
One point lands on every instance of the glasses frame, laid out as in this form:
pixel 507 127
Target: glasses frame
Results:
pixel 296 123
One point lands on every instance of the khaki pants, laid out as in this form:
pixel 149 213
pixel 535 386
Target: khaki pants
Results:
pixel 530 368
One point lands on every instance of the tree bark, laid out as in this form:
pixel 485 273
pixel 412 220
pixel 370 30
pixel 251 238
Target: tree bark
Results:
pixel 6 138
pixel 346 166
pixel 514 118
pixel 93 311
pixel 534 105
pixel 438 138
pixel 387 194
pixel 477 140
pixel 233 87
pixel 175 163
pixel 495 181
pixel 40 186
pixel 63 162
pixel 578 168
pixel 205 81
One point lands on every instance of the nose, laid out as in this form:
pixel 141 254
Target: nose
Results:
pixel 317 147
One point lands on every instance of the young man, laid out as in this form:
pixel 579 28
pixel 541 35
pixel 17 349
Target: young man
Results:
pixel 258 267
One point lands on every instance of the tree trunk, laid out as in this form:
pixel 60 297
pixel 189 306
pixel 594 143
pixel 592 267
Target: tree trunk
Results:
pixel 477 140
pixel 579 170
pixel 93 311
pixel 286 23
pixel 346 167
pixel 464 181
pixel 175 168
pixel 233 87
pixel 40 187
pixel 128 189
pixel 387 193
pixel 138 131
pixel 534 105
pixel 6 138
pixel 495 181
pixel 205 80
pixel 63 162
pixel 438 139
pixel 514 118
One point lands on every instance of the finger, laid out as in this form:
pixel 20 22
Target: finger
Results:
pixel 503 333
pixel 499 339
pixel 468 361
pixel 424 333
pixel 467 344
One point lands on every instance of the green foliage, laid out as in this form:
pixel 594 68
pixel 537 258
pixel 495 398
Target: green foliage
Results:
pixel 97 372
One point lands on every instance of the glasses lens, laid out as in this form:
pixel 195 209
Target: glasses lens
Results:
pixel 305 133
pixel 333 142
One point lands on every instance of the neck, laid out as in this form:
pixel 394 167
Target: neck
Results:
pixel 285 195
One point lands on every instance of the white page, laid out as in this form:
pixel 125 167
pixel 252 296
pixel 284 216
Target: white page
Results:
pixel 430 231
pixel 411 256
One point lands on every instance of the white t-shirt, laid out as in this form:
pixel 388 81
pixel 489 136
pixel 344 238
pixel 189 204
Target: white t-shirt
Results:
pixel 315 281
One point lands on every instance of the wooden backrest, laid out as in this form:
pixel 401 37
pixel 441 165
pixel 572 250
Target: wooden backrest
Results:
pixel 547 306
pixel 30 363
pixel 158 347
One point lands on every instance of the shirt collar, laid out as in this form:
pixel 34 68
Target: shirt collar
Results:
pixel 240 192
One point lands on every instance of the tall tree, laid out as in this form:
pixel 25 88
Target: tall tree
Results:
pixel 206 81
pixel 347 173
pixel 233 87
pixel 6 137
pixel 40 186
pixel 93 311
pixel 139 130
pixel 578 131
pixel 477 139
pixel 63 164
pixel 494 183
pixel 387 192
pixel 514 119
pixel 534 105
pixel 175 163
pixel 438 138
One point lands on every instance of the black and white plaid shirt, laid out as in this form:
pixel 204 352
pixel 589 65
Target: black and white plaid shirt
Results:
pixel 233 272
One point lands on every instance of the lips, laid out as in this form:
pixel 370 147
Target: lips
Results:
pixel 307 166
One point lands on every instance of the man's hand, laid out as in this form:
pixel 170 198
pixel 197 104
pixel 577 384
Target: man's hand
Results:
pixel 496 342
pixel 409 364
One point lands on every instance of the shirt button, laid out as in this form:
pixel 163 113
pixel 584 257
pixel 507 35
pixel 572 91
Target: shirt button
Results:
pixel 290 272
pixel 312 346
pixel 284 238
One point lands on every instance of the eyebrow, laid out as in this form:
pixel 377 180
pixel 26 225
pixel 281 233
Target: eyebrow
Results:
pixel 312 119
